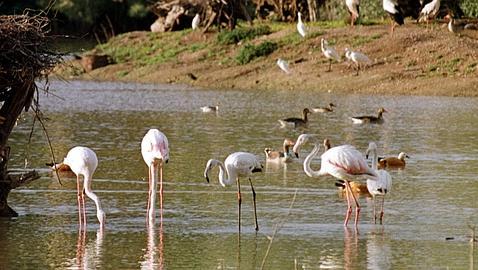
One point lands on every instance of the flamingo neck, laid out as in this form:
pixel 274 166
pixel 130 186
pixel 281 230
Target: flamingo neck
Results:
pixel 308 159
pixel 374 159
pixel 100 214
pixel 226 176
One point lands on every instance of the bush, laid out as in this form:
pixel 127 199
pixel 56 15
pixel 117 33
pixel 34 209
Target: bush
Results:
pixel 249 52
pixel 238 34
pixel 470 8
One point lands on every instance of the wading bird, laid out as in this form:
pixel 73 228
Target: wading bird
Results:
pixel 370 118
pixel 278 156
pixel 155 151
pixel 301 26
pixel 353 9
pixel 380 186
pixel 343 162
pixel 329 52
pixel 297 122
pixel 236 165
pixel 393 162
pixel 83 161
pixel 358 58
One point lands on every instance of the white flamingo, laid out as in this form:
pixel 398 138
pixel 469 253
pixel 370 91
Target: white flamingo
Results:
pixel 343 162
pixel 196 21
pixel 301 26
pixel 353 9
pixel 358 58
pixel 329 52
pixel 236 165
pixel 283 65
pixel 380 186
pixel 83 161
pixel 155 151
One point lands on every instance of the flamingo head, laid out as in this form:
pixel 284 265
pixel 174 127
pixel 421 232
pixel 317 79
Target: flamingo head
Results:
pixel 209 166
pixel 302 139
pixel 371 147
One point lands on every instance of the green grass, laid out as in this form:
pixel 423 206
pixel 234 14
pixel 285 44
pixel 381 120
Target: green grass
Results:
pixel 242 33
pixel 249 52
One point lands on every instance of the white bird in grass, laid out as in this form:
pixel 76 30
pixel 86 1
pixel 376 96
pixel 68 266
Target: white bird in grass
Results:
pixel 196 21
pixel 353 9
pixel 329 52
pixel 238 164
pixel 283 65
pixel 301 26
pixel 429 11
pixel 83 161
pixel 380 186
pixel 155 151
pixel 343 162
pixel 358 58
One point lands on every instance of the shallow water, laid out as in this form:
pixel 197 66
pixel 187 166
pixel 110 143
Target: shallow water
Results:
pixel 433 199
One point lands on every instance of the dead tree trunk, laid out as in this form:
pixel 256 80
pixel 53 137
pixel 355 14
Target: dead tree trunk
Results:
pixel 313 10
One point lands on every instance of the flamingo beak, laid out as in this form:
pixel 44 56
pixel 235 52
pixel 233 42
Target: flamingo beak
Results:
pixel 296 154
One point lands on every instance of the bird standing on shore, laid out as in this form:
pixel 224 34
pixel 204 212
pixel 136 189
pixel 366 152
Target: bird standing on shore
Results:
pixel 283 65
pixel 301 26
pixel 353 9
pixel 329 52
pixel 196 21
pixel 358 58
pixel 429 11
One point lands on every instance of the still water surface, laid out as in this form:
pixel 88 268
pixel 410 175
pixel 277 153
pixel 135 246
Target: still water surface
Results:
pixel 433 199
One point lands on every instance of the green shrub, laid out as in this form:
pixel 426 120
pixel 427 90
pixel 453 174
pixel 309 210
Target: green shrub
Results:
pixel 249 51
pixel 238 34
pixel 470 8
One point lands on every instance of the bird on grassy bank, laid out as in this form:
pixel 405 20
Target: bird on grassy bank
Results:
pixel 398 10
pixel 301 26
pixel 297 122
pixel 283 65
pixel 370 118
pixel 353 9
pixel 393 162
pixel 155 152
pixel 195 22
pixel 343 162
pixel 358 58
pixel 327 109
pixel 380 186
pixel 236 165
pixel 329 52
pixel 278 156
pixel 83 161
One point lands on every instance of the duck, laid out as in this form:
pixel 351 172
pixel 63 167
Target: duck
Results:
pixel 327 109
pixel 207 109
pixel 393 162
pixel 369 118
pixel 297 122
pixel 353 9
pixel 278 156
pixel 329 52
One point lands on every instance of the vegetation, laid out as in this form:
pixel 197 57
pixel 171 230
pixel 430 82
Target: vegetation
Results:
pixel 242 33
pixel 250 52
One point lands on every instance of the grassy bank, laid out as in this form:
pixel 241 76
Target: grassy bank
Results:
pixel 414 61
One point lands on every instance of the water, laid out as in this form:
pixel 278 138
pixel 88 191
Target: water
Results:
pixel 433 199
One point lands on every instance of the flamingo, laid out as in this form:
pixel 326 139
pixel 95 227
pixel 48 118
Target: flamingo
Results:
pixel 155 151
pixel 327 109
pixel 343 162
pixel 296 121
pixel 429 11
pixel 196 21
pixel 280 157
pixel 393 162
pixel 301 26
pixel 236 165
pixel 370 118
pixel 83 161
pixel 329 52
pixel 283 65
pixel 353 9
pixel 380 186
pixel 358 58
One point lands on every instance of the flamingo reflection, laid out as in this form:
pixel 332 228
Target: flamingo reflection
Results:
pixel 88 256
pixel 153 257
pixel 379 252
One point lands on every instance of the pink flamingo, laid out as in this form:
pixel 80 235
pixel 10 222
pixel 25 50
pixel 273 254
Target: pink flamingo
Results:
pixel 155 151
pixel 343 162
pixel 83 161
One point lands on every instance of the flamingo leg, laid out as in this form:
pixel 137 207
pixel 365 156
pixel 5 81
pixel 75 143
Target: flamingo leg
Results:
pixel 357 206
pixel 79 200
pixel 83 204
pixel 149 194
pixel 381 212
pixel 239 201
pixel 161 190
pixel 254 204
pixel 374 212
pixel 349 206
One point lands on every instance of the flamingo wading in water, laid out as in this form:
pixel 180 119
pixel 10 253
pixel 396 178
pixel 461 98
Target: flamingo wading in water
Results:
pixel 380 186
pixel 236 165
pixel 155 151
pixel 83 161
pixel 343 162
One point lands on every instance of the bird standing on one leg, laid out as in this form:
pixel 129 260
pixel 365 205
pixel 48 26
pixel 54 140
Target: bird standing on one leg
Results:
pixel 155 151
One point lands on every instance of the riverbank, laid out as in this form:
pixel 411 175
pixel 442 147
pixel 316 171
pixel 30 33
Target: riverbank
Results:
pixel 414 61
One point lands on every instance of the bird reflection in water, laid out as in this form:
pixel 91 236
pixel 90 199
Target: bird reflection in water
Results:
pixel 88 256
pixel 351 245
pixel 379 251
pixel 153 257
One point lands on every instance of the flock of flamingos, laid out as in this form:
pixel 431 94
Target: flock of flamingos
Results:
pixel 343 162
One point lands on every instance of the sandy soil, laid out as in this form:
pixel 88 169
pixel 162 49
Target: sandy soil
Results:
pixel 414 61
